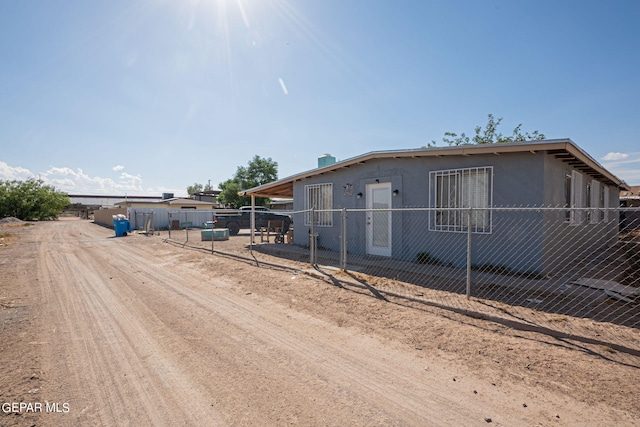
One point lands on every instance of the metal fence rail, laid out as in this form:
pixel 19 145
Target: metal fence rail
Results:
pixel 574 272
pixel 180 222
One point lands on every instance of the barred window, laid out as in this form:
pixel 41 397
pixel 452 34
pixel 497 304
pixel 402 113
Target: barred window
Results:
pixel 453 192
pixel 320 198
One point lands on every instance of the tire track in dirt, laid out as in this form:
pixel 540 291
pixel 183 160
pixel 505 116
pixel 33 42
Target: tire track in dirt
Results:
pixel 307 364
pixel 377 385
pixel 316 355
pixel 236 335
pixel 111 371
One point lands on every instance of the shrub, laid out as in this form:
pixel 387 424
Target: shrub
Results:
pixel 31 199
pixel 426 258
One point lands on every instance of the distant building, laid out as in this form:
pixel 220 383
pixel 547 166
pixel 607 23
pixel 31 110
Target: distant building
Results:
pixel 631 197
pixel 281 204
pixel 210 196
pixel 173 203
pixel 98 201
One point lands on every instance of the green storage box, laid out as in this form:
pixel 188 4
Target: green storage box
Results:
pixel 217 233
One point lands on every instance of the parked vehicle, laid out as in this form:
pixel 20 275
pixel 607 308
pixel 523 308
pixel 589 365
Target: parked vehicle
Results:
pixel 242 219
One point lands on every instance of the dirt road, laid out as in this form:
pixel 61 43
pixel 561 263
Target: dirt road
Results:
pixel 104 331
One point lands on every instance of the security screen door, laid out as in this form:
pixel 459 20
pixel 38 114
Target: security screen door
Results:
pixel 379 223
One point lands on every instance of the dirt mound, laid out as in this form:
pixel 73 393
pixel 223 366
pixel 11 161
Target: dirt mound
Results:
pixel 10 220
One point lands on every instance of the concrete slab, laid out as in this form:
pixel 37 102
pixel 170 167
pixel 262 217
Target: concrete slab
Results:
pixel 607 285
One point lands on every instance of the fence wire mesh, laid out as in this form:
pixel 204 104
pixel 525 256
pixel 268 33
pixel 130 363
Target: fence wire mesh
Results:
pixel 185 225
pixel 573 272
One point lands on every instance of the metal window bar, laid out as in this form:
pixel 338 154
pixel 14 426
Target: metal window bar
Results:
pixel 320 198
pixel 453 191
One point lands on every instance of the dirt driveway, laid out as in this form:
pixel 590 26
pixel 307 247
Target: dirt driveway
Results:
pixel 104 331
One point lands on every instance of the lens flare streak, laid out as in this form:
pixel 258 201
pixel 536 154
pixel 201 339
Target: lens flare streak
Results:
pixel 283 86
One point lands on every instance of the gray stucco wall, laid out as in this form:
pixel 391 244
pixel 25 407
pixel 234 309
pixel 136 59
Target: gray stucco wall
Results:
pixel 564 242
pixel 519 180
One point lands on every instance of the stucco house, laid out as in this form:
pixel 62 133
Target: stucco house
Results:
pixel 446 181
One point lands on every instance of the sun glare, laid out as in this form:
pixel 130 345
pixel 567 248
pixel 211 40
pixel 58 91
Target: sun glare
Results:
pixel 273 30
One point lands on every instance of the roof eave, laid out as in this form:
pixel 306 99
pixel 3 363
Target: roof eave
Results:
pixel 497 148
pixel 593 164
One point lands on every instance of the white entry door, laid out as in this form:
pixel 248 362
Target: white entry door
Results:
pixel 379 223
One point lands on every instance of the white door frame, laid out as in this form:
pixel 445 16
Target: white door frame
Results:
pixel 378 197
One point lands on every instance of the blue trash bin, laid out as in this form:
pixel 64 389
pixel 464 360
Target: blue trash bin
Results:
pixel 122 226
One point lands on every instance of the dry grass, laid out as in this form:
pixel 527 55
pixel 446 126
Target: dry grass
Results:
pixel 9 230
pixel 6 238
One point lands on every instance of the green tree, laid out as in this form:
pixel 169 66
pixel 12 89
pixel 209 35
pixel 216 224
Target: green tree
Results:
pixel 259 171
pixel 31 199
pixel 490 135
pixel 197 188
pixel 193 189
pixel 229 194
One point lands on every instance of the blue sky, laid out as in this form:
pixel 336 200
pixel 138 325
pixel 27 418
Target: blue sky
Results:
pixel 149 96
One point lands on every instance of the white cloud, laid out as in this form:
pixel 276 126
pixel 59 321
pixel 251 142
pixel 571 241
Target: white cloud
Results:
pixel 79 182
pixel 133 181
pixel 625 167
pixel 612 156
pixel 12 173
pixel 118 168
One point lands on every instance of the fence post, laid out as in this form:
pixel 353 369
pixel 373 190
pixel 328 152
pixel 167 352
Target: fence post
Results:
pixel 312 238
pixel 169 227
pixel 469 253
pixel 213 218
pixel 343 241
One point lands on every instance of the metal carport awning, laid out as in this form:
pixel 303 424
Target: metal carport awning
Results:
pixel 283 190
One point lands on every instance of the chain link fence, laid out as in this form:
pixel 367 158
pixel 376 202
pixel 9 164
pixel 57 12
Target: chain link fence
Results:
pixel 144 220
pixel 567 272
pixel 184 225
pixel 532 257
